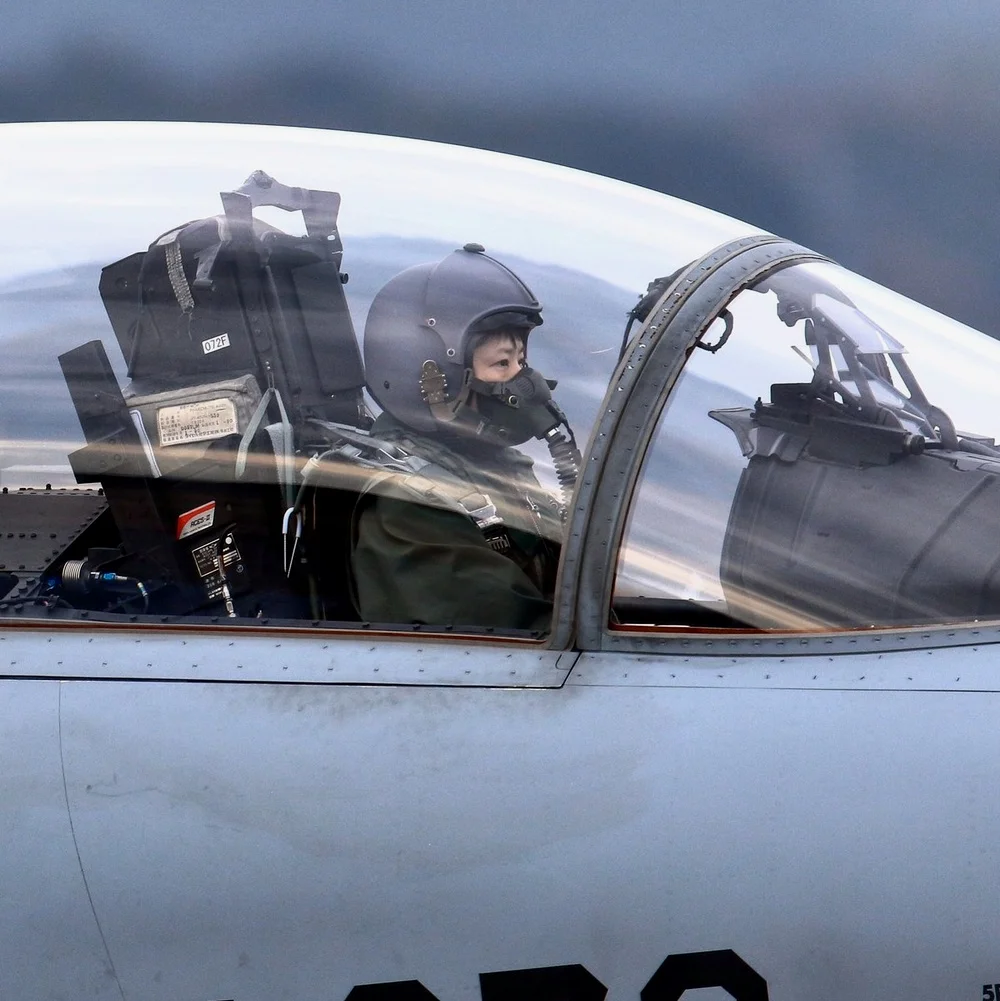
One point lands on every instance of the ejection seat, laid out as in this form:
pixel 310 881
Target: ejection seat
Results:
pixel 238 342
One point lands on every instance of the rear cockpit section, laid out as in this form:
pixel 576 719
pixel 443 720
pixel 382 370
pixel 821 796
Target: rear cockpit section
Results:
pixel 237 339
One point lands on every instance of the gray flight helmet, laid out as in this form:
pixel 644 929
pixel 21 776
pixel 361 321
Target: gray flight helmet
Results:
pixel 425 314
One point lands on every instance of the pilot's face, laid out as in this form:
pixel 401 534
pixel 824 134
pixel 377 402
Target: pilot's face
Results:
pixel 498 358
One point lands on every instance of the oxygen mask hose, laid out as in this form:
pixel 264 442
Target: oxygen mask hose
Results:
pixel 566 462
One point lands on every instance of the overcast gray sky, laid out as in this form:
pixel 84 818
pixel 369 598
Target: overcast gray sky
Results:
pixel 644 46
pixel 868 130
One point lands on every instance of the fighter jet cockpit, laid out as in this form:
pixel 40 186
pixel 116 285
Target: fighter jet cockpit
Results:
pixel 246 395
pixel 272 377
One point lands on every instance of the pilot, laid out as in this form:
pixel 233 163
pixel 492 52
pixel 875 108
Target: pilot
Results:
pixel 464 535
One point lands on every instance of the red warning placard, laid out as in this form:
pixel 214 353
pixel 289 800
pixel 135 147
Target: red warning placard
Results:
pixel 196 520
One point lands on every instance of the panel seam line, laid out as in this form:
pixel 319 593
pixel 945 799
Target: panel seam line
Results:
pixel 76 848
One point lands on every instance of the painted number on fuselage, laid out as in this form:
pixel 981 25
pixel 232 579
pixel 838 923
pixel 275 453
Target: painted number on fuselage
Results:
pixel 676 974
pixel 555 983
pixel 690 970
pixel 401 990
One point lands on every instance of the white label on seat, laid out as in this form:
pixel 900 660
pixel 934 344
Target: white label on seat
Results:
pixel 216 343
pixel 196 421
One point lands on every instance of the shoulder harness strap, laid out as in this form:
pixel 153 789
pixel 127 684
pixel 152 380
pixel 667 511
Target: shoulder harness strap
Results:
pixel 396 470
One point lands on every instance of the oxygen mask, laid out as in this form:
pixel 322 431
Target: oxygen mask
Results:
pixel 518 408
pixel 521 408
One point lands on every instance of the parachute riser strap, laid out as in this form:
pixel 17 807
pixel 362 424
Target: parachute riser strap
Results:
pixel 253 426
pixel 283 436
pixel 282 442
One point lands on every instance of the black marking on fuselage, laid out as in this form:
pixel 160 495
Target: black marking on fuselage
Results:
pixel 399 990
pixel 691 970
pixel 546 983
pixel 677 974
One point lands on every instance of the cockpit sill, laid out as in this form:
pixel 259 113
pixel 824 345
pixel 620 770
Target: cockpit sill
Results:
pixel 25 614
pixel 638 638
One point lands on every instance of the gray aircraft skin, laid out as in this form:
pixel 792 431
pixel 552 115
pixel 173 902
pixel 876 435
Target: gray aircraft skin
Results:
pixel 754 756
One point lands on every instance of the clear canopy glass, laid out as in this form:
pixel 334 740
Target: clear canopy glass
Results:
pixel 75 198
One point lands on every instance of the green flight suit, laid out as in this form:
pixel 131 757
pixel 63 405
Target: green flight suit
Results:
pixel 420 556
